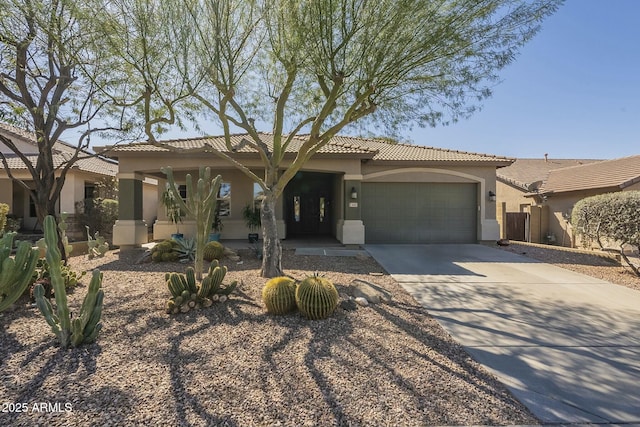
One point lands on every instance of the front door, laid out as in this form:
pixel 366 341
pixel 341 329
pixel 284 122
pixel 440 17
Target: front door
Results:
pixel 308 205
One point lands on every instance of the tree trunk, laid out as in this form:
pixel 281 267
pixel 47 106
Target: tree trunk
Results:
pixel 271 249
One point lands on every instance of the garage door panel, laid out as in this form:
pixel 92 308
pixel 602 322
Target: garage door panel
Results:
pixel 419 213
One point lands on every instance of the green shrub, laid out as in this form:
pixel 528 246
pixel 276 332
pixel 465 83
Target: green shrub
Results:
pixel 614 217
pixel 98 214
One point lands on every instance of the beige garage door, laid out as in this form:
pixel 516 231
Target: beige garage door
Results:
pixel 419 213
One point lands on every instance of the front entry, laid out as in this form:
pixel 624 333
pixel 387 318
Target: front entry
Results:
pixel 309 204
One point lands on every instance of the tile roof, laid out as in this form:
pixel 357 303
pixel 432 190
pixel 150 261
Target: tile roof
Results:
pixel 528 174
pixel 619 173
pixel 366 147
pixel 239 141
pixel 62 153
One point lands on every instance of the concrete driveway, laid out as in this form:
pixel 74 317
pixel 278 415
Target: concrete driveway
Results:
pixel 566 345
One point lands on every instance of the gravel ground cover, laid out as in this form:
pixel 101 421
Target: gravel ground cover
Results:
pixel 592 263
pixel 234 365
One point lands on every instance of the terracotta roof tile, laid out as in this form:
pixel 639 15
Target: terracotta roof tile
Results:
pixel 604 174
pixel 371 148
pixel 529 174
pixel 62 152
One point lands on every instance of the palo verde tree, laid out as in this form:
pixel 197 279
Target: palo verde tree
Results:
pixel 311 69
pixel 44 90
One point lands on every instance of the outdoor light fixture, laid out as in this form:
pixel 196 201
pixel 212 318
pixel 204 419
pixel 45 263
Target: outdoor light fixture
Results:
pixel 492 196
pixel 354 193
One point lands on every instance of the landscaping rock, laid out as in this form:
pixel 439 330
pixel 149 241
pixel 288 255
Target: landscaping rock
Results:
pixel 373 293
pixel 362 301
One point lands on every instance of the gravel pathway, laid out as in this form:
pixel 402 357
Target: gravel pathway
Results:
pixel 234 365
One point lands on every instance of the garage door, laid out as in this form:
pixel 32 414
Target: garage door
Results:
pixel 419 213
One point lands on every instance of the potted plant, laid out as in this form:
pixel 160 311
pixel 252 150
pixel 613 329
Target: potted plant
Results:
pixel 216 227
pixel 251 215
pixel 173 211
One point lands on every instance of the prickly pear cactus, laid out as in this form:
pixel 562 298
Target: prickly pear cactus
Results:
pixel 316 297
pixel 279 295
pixel 16 273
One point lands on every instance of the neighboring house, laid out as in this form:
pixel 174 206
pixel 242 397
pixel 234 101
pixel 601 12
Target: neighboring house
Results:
pixel 79 183
pixel 356 189
pixel 564 187
pixel 522 217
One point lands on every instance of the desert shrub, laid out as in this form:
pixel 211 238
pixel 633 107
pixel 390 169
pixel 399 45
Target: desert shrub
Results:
pixel 98 214
pixel 614 217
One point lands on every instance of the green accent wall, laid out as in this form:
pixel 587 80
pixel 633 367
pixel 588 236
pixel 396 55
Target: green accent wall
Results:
pixel 130 197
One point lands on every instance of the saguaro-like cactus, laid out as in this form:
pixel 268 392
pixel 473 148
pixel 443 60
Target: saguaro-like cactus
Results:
pixel 85 327
pixel 15 273
pixel 200 205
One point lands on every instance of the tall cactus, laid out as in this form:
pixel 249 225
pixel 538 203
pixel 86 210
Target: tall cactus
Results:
pixel 85 327
pixel 15 273
pixel 200 206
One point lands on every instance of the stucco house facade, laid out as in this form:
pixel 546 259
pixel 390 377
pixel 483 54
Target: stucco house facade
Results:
pixel 547 190
pixel 522 217
pixel 79 183
pixel 357 190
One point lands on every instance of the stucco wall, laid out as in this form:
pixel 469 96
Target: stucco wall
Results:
pixel 560 206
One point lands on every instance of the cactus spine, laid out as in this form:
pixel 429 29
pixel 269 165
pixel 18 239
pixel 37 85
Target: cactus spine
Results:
pixel 15 273
pixel 186 293
pixel 84 328
pixel 316 297
pixel 200 205
pixel 279 295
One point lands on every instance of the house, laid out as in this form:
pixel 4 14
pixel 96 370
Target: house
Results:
pixel 564 187
pixel 79 183
pixel 358 190
pixel 522 217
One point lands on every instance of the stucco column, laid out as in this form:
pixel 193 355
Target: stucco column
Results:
pixel 351 229
pixel 130 230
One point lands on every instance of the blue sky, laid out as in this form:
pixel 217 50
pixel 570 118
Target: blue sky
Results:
pixel 574 91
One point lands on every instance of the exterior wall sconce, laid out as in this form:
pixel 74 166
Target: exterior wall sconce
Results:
pixel 492 196
pixel 354 193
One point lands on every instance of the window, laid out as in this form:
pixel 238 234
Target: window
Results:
pixel 89 191
pixel 296 208
pixel 224 199
pixel 258 195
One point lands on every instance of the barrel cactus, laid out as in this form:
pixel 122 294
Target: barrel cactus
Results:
pixel 213 250
pixel 164 251
pixel 316 297
pixel 279 295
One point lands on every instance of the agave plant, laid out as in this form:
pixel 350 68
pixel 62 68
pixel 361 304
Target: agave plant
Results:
pixel 186 249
